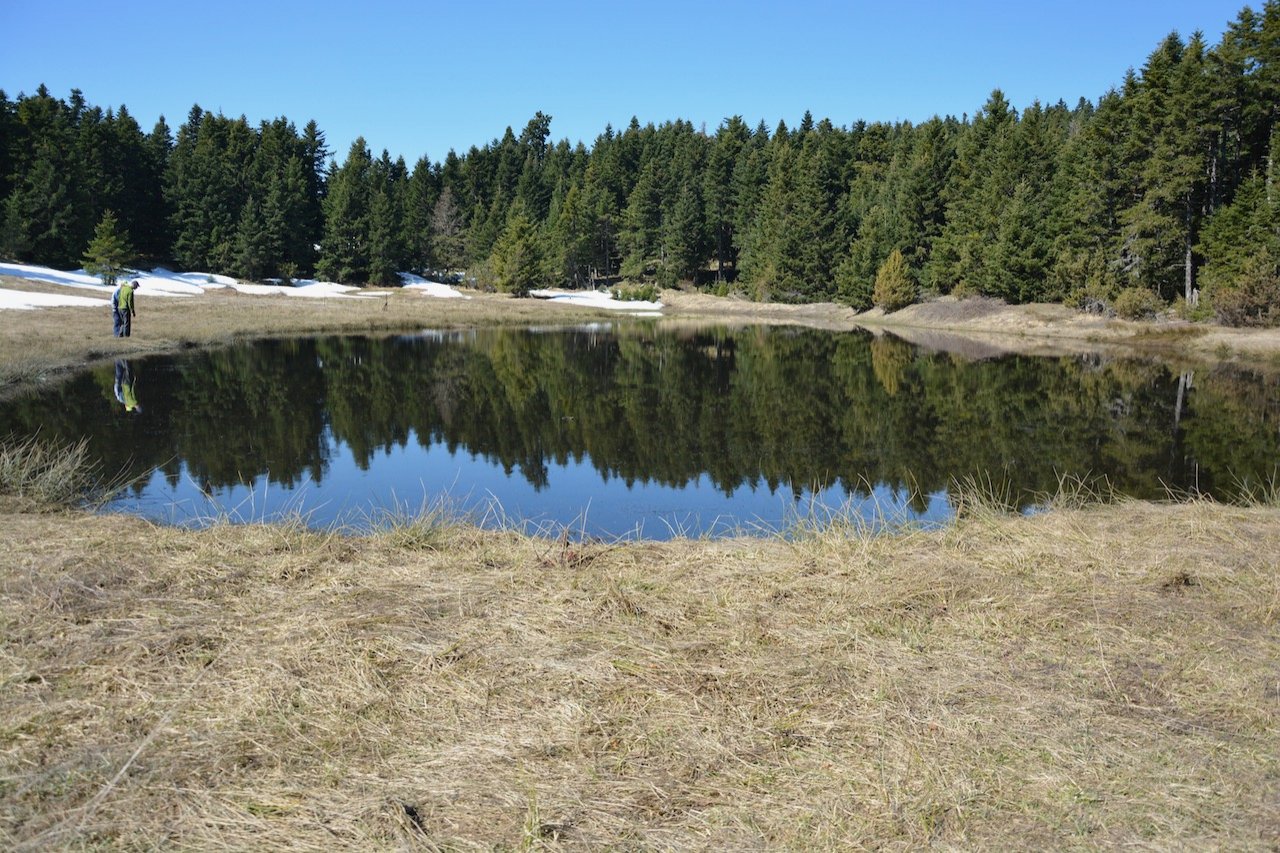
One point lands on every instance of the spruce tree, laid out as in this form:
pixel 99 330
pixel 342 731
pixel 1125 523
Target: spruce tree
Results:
pixel 517 259
pixel 253 245
pixel 383 239
pixel 894 288
pixel 1160 228
pixel 345 250
pixel 572 237
pixel 718 189
pixel 109 251
pixel 421 194
pixel 642 228
pixel 683 246
pixel 448 233
pixel 973 197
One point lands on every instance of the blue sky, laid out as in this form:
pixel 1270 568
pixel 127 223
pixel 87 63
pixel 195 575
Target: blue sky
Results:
pixel 420 78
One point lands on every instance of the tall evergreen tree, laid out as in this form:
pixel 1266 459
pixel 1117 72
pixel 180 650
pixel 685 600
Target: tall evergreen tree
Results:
pixel 571 239
pixel 345 251
pixel 718 189
pixel 421 194
pixel 973 197
pixel 517 256
pixel 49 213
pixel 1160 229
pixel 448 233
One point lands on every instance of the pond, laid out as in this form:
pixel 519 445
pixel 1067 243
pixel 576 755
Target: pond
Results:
pixel 634 430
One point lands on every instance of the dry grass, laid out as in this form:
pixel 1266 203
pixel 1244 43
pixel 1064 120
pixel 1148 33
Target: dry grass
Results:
pixel 1088 677
pixel 40 473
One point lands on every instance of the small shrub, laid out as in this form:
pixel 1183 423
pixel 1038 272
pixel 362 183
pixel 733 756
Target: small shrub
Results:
pixel 482 277
pixel 647 292
pixel 1137 303
pixel 966 290
pixel 1200 312
pixel 1092 298
pixel 1254 302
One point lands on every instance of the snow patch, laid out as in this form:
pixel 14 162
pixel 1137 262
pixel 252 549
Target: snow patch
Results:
pixel 20 300
pixel 430 288
pixel 597 299
pixel 165 282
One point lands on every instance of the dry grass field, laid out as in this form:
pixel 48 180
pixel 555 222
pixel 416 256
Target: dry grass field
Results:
pixel 1103 674
pixel 1096 676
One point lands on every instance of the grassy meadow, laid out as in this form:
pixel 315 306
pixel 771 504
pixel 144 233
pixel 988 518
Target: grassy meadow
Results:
pixel 1102 674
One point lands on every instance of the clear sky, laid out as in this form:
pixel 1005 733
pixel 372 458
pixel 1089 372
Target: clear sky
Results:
pixel 420 78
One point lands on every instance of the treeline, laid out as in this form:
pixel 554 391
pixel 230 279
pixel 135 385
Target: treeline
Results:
pixel 1162 191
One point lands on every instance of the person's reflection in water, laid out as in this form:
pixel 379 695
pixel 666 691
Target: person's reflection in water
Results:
pixel 127 386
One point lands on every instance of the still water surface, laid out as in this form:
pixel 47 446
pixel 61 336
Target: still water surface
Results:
pixel 633 431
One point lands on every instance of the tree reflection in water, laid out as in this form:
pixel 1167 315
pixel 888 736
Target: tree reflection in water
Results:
pixel 622 423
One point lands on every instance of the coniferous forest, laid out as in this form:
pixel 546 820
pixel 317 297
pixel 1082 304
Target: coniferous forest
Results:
pixel 1162 193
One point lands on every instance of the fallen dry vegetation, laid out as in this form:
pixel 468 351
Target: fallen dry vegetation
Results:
pixel 1096 676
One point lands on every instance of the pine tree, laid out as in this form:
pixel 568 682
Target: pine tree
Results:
pixel 421 194
pixel 1160 229
pixel 109 251
pixel 448 233
pixel 253 248
pixel 517 258
pixel 287 215
pixel 49 215
pixel 856 274
pixel 683 247
pixel 894 287
pixel 572 238
pixel 641 234
pixel 151 219
pixel 1089 192
pixel 1241 235
pixel 384 252
pixel 718 189
pixel 9 132
pixel 973 197
pixel 345 251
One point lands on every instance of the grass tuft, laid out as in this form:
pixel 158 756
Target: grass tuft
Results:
pixel 425 529
pixel 979 496
pixel 49 472
pixel 1264 493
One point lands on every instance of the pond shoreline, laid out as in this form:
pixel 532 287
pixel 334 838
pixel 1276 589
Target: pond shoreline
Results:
pixel 41 345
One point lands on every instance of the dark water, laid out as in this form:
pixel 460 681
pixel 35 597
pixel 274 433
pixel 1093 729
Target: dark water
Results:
pixel 631 431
